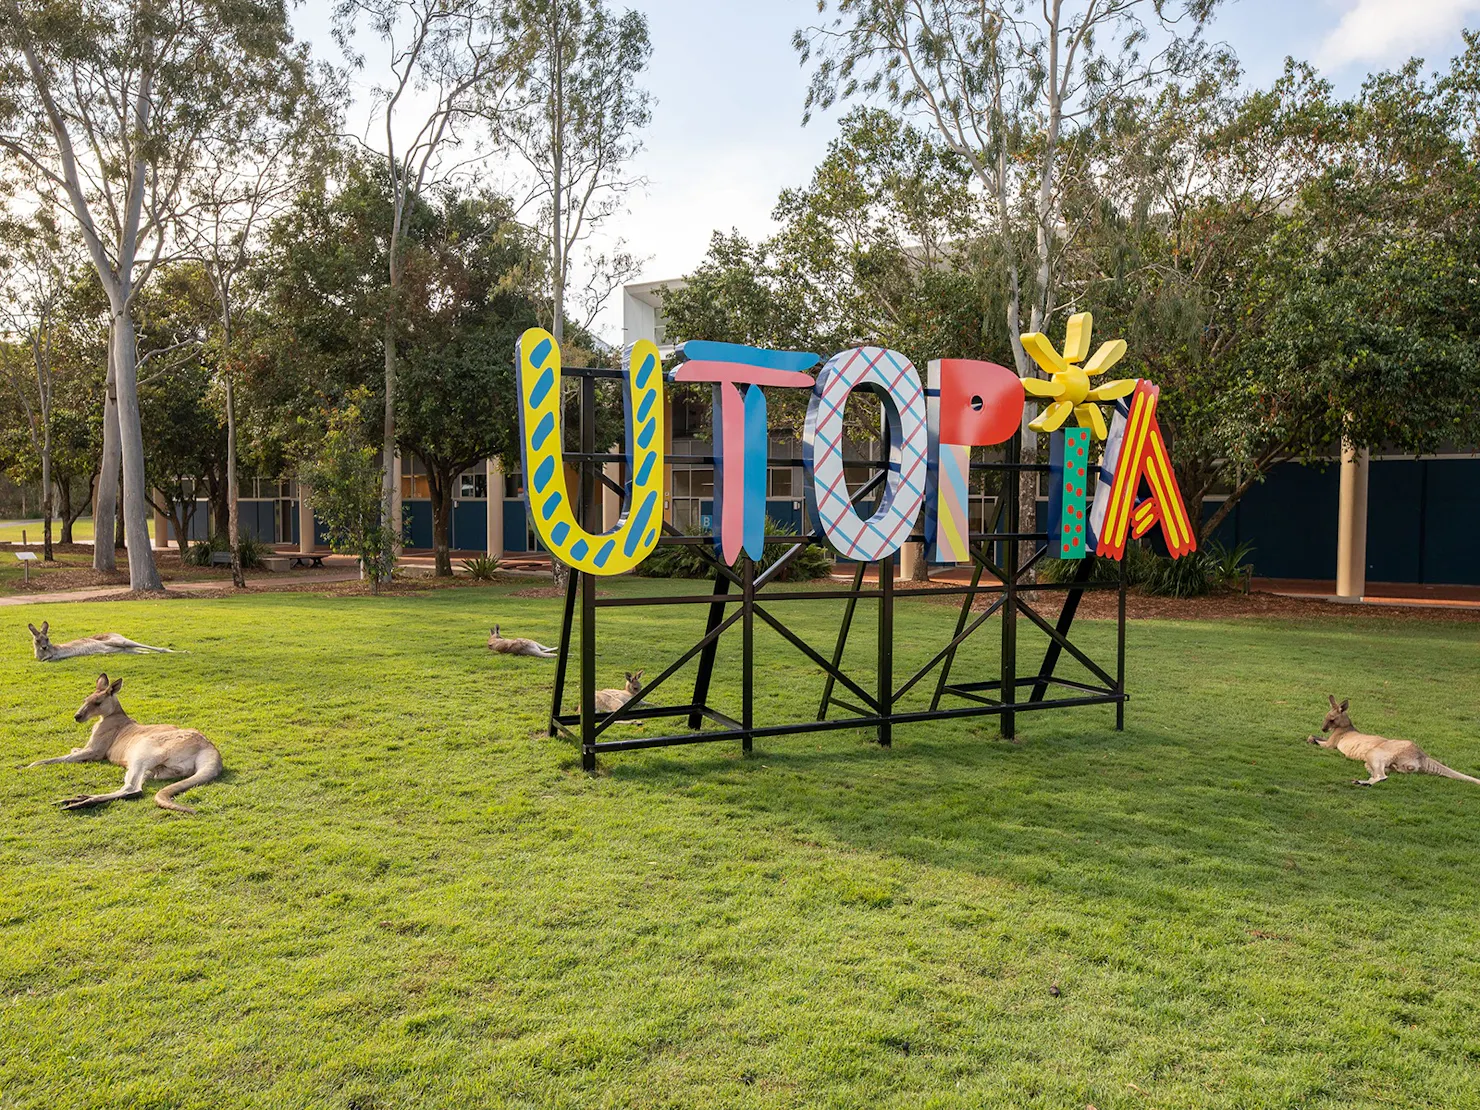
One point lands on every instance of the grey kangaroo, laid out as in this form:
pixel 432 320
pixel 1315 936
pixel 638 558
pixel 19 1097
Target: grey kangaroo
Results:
pixel 518 645
pixel 144 751
pixel 1379 753
pixel 105 643
pixel 609 701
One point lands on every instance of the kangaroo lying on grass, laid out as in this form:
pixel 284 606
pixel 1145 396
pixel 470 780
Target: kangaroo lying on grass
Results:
pixel 105 643
pixel 609 701
pixel 1379 753
pixel 517 645
pixel 145 751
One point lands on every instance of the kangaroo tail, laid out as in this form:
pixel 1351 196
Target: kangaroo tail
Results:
pixel 208 768
pixel 1434 767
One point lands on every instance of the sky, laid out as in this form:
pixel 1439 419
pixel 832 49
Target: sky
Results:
pixel 727 135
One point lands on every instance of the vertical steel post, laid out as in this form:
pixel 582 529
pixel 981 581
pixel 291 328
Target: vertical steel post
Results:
pixel 561 660
pixel 1120 650
pixel 706 657
pixel 842 644
pixel 747 677
pixel 886 651
pixel 1011 523
pixel 589 516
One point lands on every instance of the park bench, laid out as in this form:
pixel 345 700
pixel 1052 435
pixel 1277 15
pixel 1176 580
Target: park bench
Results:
pixel 315 562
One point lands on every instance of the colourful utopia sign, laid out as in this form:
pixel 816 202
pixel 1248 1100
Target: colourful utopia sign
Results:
pixel 932 429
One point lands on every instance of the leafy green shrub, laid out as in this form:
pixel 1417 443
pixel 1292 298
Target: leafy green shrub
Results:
pixel 1189 576
pixel 813 562
pixel 252 550
pixel 343 469
pixel 484 568
pixel 688 560
pixel 1229 567
pixel 199 554
pixel 1140 565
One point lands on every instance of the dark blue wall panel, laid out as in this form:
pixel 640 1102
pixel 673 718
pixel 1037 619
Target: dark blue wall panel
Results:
pixel 515 526
pixel 418 516
pixel 1451 537
pixel 470 526
pixel 1395 495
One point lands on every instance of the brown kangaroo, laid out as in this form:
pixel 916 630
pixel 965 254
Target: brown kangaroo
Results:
pixel 105 643
pixel 1379 753
pixel 145 751
pixel 517 645
pixel 609 701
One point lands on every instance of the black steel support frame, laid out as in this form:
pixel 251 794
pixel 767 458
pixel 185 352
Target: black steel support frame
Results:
pixel 878 710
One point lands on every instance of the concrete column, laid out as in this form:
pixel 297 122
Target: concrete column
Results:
pixel 305 520
pixel 161 528
pixel 611 501
pixel 495 509
pixel 912 562
pixel 1351 530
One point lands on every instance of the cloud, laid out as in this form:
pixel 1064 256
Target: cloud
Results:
pixel 1385 31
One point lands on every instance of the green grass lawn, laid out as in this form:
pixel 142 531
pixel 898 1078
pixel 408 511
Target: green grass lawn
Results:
pixel 82 530
pixel 402 894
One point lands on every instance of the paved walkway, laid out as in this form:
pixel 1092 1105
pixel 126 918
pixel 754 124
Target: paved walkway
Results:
pixel 258 579
pixel 1378 593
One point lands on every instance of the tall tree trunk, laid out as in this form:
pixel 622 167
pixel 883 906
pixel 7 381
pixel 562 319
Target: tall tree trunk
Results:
pixel 64 507
pixel 106 508
pixel 388 491
pixel 142 573
pixel 439 484
pixel 233 509
pixel 120 541
pixel 219 516
pixel 46 495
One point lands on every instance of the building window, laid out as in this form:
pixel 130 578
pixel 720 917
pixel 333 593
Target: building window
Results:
pixel 473 485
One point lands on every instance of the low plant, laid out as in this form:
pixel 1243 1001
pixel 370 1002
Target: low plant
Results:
pixel 1189 576
pixel 484 568
pixel 198 554
pixel 810 563
pixel 1140 565
pixel 1229 566
pixel 252 551
pixel 690 560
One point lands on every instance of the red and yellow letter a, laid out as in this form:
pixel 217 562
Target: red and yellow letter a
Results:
pixel 1136 450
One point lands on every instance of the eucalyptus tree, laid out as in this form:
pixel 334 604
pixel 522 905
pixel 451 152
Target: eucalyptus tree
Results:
pixel 107 106
pixel 578 129
pixel 235 195
pixel 37 263
pixel 450 67
pixel 1014 88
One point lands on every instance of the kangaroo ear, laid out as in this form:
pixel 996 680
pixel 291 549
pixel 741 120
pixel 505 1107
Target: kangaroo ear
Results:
pixel 637 675
pixel 32 627
pixel 1332 699
pixel 1344 703
pixel 102 682
pixel 45 627
pixel 117 686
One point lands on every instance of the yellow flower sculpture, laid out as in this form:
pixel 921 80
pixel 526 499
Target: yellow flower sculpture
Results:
pixel 1068 387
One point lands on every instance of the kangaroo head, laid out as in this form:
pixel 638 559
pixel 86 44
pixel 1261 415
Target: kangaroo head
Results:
pixel 102 702
pixel 41 638
pixel 1337 718
pixel 634 683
